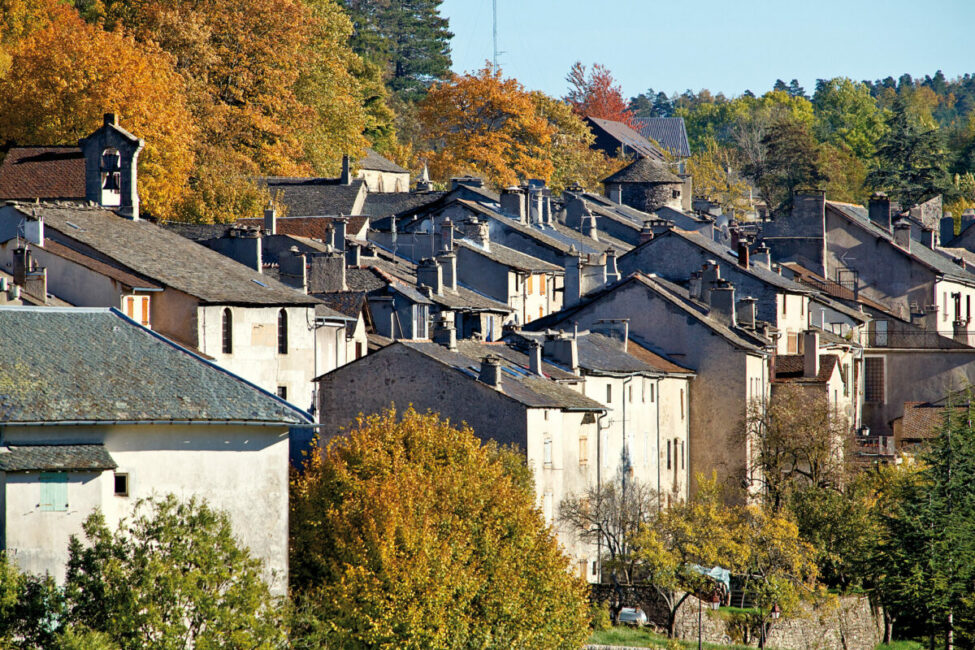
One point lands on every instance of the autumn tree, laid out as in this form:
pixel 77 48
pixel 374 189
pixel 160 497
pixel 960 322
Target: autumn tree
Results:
pixel 609 516
pixel 715 178
pixel 409 532
pixel 485 125
pixel 570 152
pixel 790 162
pixel 595 93
pixel 67 74
pixel 171 577
pixel 676 541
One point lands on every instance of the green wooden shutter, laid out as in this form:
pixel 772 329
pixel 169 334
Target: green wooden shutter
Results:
pixel 54 491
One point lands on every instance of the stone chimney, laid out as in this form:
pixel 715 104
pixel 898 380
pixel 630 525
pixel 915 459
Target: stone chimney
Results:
pixel 589 228
pixel 967 219
pixel 947 228
pixel 616 329
pixel 491 371
pixel 547 217
pixel 444 331
pixel 710 274
pixel 339 228
pixel 111 165
pixel 762 256
pixel 734 233
pixel 513 203
pixel 722 302
pixel 477 232
pixel 535 358
pixel 879 210
pixel 346 177
pixel 929 238
pixel 446 232
pixel 423 183
pixel 746 312
pixel 902 235
pixel 242 244
pixel 270 219
pixel 326 272
pixel 429 274
pixel 28 275
pixel 448 265
pixel 810 354
pixel 572 288
pixel 743 254
pixel 660 226
pixel 612 274
pixel 293 270
pixel 646 233
pixel 353 255
pixel 614 191
pixel 563 349
pixel 694 285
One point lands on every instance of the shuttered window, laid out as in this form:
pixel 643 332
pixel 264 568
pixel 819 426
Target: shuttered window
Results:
pixel 54 491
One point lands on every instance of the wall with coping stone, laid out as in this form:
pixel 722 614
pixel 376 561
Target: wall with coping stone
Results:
pixel 847 623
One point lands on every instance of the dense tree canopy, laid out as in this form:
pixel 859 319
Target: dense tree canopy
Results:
pixel 409 532
pixel 595 93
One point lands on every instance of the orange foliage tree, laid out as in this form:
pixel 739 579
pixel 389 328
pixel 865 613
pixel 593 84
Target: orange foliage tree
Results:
pixel 407 532
pixel 485 125
pixel 65 75
pixel 597 94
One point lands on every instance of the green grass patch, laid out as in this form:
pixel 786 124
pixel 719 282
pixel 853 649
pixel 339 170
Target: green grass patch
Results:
pixel 901 645
pixel 642 638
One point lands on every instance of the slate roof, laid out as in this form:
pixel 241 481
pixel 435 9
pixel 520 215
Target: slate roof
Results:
pixel 626 137
pixel 791 367
pixel 27 458
pixel 200 232
pixel 934 260
pixel 52 173
pixel 600 354
pixel 673 294
pixel 530 390
pixel 364 279
pixel 315 197
pixel 721 252
pixel 668 132
pixel 95 365
pixel 349 303
pixel 640 350
pixel 385 204
pixel 510 257
pixel 643 170
pixel 163 256
pixel 374 162
pixel 310 227
pixel 128 279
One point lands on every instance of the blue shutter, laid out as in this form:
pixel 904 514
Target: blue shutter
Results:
pixel 54 491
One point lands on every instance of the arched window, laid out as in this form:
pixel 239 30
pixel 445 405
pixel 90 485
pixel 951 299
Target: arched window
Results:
pixel 282 332
pixel 228 331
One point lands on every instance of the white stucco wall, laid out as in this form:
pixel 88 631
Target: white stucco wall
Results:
pixel 792 320
pixel 240 469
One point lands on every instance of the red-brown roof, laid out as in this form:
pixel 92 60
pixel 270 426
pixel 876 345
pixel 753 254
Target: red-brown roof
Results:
pixel 791 367
pixel 311 227
pixel 50 173
pixel 922 420
pixel 653 359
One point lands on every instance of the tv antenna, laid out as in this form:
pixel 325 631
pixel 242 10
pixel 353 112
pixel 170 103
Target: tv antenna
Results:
pixel 494 8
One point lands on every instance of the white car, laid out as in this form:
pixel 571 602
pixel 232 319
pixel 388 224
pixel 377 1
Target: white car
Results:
pixel 632 616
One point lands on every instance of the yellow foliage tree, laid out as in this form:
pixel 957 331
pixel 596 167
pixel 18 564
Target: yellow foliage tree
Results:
pixel 714 179
pixel 410 533
pixel 485 125
pixel 64 76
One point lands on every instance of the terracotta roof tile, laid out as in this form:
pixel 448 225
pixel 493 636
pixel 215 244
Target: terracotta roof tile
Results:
pixel 790 367
pixel 29 173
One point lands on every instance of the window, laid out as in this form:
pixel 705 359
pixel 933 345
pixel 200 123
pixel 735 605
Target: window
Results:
pixel 668 454
pixel 802 306
pixel 547 452
pixel 546 415
pixel 583 450
pixel 845 376
pixel 785 304
pixel 121 484
pixel 643 391
pixel 609 393
pixel 873 379
pixel 54 492
pixel 956 298
pixel 651 392
pixel 541 312
pixel 283 392
pixel 681 403
pixel 792 344
pixel 528 284
pixel 944 314
pixel 282 332
pixel 137 308
pixel 880 332
pixel 682 455
pixel 968 308
pixel 630 394
pixel 541 285
pixel 675 194
pixel 228 331
pixel 358 349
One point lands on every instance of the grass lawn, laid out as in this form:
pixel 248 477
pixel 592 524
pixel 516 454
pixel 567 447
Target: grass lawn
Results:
pixel 638 638
pixel 901 645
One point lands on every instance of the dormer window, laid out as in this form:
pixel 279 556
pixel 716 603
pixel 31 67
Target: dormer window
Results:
pixel 111 174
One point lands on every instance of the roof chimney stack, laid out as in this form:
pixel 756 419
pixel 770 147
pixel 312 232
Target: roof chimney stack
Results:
pixel 346 178
pixel 535 358
pixel 743 254
pixel 810 352
pixel 722 302
pixel 429 274
pixel 879 210
pixel 270 219
pixel 902 235
pixel 491 371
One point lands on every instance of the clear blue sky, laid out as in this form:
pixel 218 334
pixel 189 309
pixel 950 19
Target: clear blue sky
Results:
pixel 722 45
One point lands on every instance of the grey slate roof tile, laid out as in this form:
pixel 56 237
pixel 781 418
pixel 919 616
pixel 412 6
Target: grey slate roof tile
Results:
pixel 315 197
pixel 27 458
pixel 510 257
pixel 643 170
pixel 59 365
pixel 669 132
pixel 375 162
pixel 163 256
pixel 627 137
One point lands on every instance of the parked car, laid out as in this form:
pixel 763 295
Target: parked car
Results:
pixel 632 616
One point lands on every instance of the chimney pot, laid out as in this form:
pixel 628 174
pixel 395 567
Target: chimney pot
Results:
pixel 743 254
pixel 491 371
pixel 346 177
pixel 879 210
pixel 111 119
pixel 535 358
pixel 270 219
pixel 722 302
pixel 902 235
